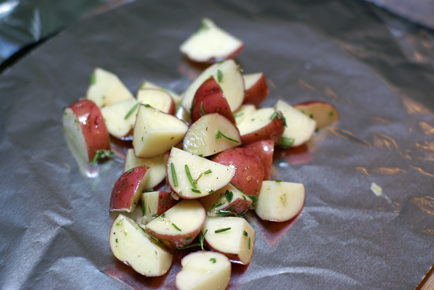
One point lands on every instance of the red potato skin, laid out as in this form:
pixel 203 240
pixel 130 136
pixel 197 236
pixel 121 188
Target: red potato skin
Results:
pixel 92 125
pixel 257 93
pixel 264 149
pixel 163 206
pixel 125 189
pixel 249 169
pixel 212 99
pixel 273 131
pixel 239 205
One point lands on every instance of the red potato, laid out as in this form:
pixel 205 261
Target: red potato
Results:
pixel 323 113
pixel 180 225
pixel 249 169
pixel 262 124
pixel 209 99
pixel 158 99
pixel 128 188
pixel 211 44
pixel 264 149
pixel 85 126
pixel 155 203
pixel 256 89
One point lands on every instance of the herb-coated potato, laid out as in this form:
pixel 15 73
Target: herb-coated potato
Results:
pixel 264 149
pixel 249 169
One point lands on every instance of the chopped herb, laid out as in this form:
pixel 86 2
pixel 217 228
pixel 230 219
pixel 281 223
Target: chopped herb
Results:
pixel 273 116
pixel 219 76
pixel 203 26
pixel 238 115
pixel 103 97
pixel 188 239
pixel 240 69
pixel 147 105
pixel 311 116
pixel 331 113
pixel 278 180
pixel 142 85
pixel 245 233
pixel 154 215
pixel 222 230
pixel 142 138
pixel 284 121
pixel 116 241
pixel 207 172
pixel 92 78
pixel 214 206
pixel 303 111
pixel 191 110
pixel 200 155
pixel 189 246
pixel 163 215
pixel 255 199
pixel 201 238
pixel 283 197
pixel 76 122
pixel 130 170
pixel 222 61
pixel 132 110
pixel 229 195
pixel 244 197
pixel 249 243
pixel 180 192
pixel 316 130
pixel 286 141
pixel 100 154
pixel 143 207
pixel 119 223
pixel 175 180
pixel 223 212
pixel 163 200
pixel 195 190
pixel 149 190
pixel 210 191
pixel 125 231
pixel 178 229
pixel 201 108
pixel 187 171
pixel 220 134
pixel 213 260
pixel 253 119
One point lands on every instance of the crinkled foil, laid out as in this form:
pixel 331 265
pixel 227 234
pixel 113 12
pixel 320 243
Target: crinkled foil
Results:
pixel 55 222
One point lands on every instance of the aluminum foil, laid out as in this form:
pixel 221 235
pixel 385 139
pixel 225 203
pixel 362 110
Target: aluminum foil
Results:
pixel 55 222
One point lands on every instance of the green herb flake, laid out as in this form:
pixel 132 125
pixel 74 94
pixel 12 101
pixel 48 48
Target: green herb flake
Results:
pixel 283 197
pixel 255 200
pixel 245 233
pixel 130 170
pixel 215 206
pixel 229 195
pixel 213 260
pixel 201 238
pixel 253 119
pixel 116 241
pixel 132 110
pixel 142 84
pixel 189 246
pixel 101 154
pixel 147 105
pixel 201 108
pixel 238 115
pixel 192 182
pixel 249 243
pixel 178 229
pixel 207 172
pixel 278 180
pixel 331 113
pixel 286 141
pixel 195 190
pixel 244 197
pixel 311 116
pixel 163 200
pixel 175 179
pixel 188 239
pixel 93 79
pixel 222 230
pixel 210 191
pixel 273 116
pixel 119 223
pixel 154 215
pixel 163 215
pixel 220 134
pixel 125 231
pixel 149 190
pixel 143 207
pixel 219 76
pixel 240 69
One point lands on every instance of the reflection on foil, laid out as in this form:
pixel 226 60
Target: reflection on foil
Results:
pixel 380 120
pixel 86 169
pixel 426 204
pixel 427 148
pixel 381 141
pixel 388 171
pixel 305 85
pixel 347 135
pixel 427 128
pixel 330 93
pixel 7 8
pixel 420 170
pixel 429 232
pixel 362 170
pixel 415 108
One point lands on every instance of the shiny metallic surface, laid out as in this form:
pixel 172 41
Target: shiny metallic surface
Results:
pixel 55 222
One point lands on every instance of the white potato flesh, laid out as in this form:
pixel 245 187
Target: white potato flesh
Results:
pixel 106 89
pixel 204 270
pixel 219 200
pixel 185 219
pixel 208 176
pixel 150 201
pixel 74 133
pixel 157 164
pixel 299 127
pixel 114 117
pixel 280 201
pixel 251 79
pixel 210 43
pixel 230 80
pixel 256 120
pixel 155 132
pixel 243 113
pixel 205 136
pixel 157 99
pixel 148 85
pixel 231 236
pixel 131 245
pixel 182 114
